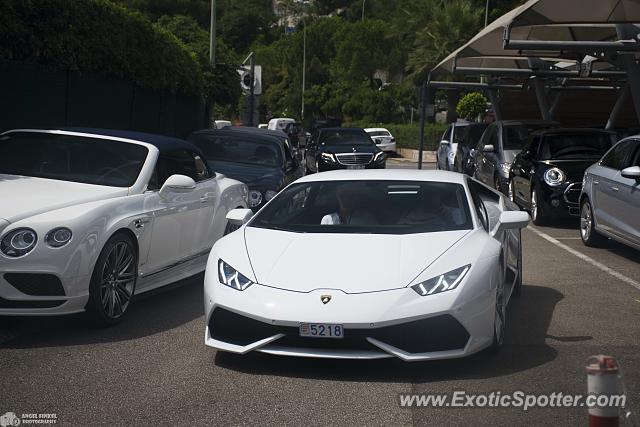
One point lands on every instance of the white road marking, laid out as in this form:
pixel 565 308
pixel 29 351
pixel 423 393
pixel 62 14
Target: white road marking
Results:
pixel 567 238
pixel 586 258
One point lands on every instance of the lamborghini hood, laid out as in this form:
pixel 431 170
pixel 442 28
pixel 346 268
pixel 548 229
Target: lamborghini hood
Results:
pixel 352 263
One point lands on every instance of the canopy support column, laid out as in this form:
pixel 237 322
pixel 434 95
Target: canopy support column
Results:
pixel 541 95
pixel 493 97
pixel 554 103
pixel 617 108
pixel 627 31
pixel 453 96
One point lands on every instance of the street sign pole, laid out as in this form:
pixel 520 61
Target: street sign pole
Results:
pixel 423 106
pixel 212 35
pixel 252 73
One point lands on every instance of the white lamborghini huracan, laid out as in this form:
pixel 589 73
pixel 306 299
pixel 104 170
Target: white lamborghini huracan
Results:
pixel 367 264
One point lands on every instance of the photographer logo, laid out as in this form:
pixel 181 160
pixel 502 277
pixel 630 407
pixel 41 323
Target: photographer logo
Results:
pixel 10 419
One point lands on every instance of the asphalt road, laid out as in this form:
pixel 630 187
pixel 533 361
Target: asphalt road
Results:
pixel 155 370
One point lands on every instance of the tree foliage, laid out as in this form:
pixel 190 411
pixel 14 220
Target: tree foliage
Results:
pixel 79 35
pixel 471 105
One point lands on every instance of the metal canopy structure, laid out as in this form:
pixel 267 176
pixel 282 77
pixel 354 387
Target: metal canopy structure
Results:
pixel 555 50
pixel 546 12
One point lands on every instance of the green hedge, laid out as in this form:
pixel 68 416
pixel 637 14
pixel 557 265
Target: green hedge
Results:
pixel 408 136
pixel 100 37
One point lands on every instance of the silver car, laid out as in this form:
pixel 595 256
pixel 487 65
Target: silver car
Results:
pixel 610 199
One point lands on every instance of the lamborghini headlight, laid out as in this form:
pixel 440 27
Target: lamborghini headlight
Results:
pixel 442 283
pixel 231 277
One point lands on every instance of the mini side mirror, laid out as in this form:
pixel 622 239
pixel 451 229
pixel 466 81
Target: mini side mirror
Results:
pixel 239 217
pixel 444 142
pixel 632 172
pixel 177 184
pixel 488 148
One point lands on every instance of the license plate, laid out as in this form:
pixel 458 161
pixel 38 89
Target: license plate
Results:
pixel 321 330
pixel 355 167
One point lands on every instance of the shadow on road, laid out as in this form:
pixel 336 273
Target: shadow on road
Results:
pixel 528 321
pixel 151 313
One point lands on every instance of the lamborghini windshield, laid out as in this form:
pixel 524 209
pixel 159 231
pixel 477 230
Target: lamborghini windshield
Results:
pixel 374 206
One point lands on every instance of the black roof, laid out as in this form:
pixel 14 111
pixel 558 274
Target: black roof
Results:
pixel 259 134
pixel 161 142
pixel 571 131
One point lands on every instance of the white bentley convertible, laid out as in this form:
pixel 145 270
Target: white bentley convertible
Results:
pixel 88 218
pixel 370 264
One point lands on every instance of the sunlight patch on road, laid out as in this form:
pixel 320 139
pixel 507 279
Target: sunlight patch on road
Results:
pixel 586 258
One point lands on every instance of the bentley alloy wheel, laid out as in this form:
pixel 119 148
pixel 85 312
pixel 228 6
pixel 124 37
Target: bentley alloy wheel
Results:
pixel 113 281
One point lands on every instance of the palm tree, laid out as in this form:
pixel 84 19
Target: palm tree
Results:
pixel 453 22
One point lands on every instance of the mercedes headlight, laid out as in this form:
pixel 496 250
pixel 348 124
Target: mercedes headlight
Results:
pixel 229 276
pixel 58 237
pixel 328 157
pixel 554 177
pixel 255 198
pixel 270 194
pixel 380 156
pixel 18 242
pixel 442 283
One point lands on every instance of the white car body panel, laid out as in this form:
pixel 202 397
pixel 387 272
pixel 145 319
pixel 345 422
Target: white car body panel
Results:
pixel 291 271
pixel 385 143
pixel 169 249
pixel 279 259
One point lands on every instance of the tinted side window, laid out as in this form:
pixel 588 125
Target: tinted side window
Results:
pixel 202 171
pixel 636 162
pixel 619 156
pixel 446 136
pixel 178 162
pixel 487 137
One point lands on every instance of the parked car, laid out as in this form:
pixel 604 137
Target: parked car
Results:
pixel 610 199
pixel 93 217
pixel 454 245
pixel 446 152
pixel 546 177
pixel 463 161
pixel 221 124
pixel 296 134
pixel 280 123
pixel 342 148
pixel 383 139
pixel 500 143
pixel 262 159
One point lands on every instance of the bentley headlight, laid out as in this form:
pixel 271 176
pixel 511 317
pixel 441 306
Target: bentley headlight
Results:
pixel 554 177
pixel 328 157
pixel 442 283
pixel 18 242
pixel 380 156
pixel 58 237
pixel 270 194
pixel 255 198
pixel 229 276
